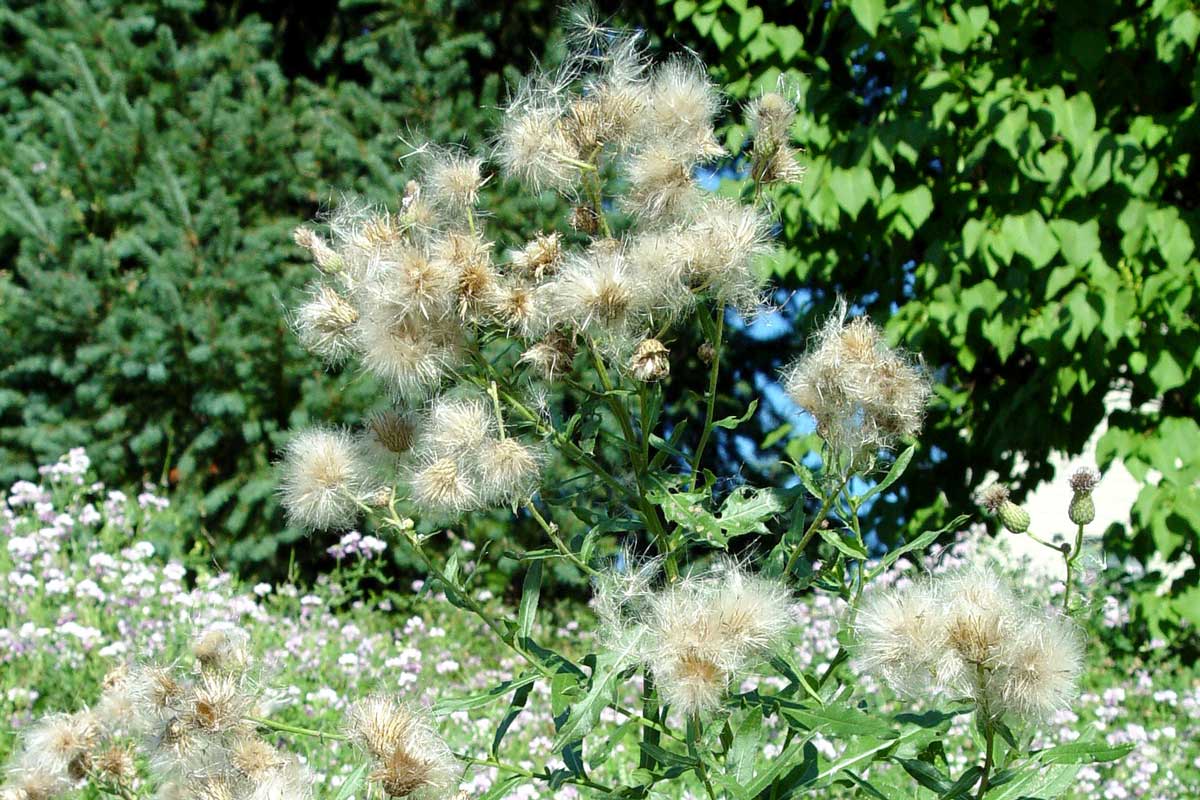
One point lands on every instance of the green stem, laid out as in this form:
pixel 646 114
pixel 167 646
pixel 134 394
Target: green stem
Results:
pixel 711 400
pixel 695 730
pixel 989 737
pixel 515 770
pixel 632 447
pixel 284 727
pixel 649 709
pixel 583 165
pixel 1070 558
pixel 552 531
pixel 822 513
pixel 989 734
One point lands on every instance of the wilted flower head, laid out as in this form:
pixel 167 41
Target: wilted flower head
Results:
pixel 411 759
pixel 552 357
pixel 322 479
pixel 222 648
pixel 650 361
pixel 863 394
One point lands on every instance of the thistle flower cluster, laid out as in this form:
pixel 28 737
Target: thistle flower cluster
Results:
pixel 864 395
pixel 410 293
pixel 194 729
pixel 695 635
pixel 966 634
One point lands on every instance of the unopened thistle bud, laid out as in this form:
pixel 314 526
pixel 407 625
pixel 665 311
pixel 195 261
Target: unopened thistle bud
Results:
pixel 996 500
pixel 1083 509
pixel 707 352
pixel 1013 517
pixel 650 361
pixel 325 257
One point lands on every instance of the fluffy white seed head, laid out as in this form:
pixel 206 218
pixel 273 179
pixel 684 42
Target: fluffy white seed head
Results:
pixel 684 650
pixel 598 292
pixel 864 395
pixel 222 648
pixel 321 478
pixel 290 781
pixel 508 470
pixel 900 636
pixel 661 188
pixel 680 107
pixel 458 427
pixel 718 251
pixel 705 630
pixel 411 759
pixel 452 182
pixel 1039 670
pixel 752 614
pixel 410 285
pixel 622 593
pixel 62 746
pixel 440 486
pixel 409 357
pixel 532 146
pixel 325 325
pixel 540 257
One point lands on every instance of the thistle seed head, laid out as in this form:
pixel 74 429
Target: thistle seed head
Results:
pixel 321 478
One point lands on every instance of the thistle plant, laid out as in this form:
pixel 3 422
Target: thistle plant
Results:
pixel 473 349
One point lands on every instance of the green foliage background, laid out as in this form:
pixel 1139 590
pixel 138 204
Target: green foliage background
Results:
pixel 156 161
pixel 1008 185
